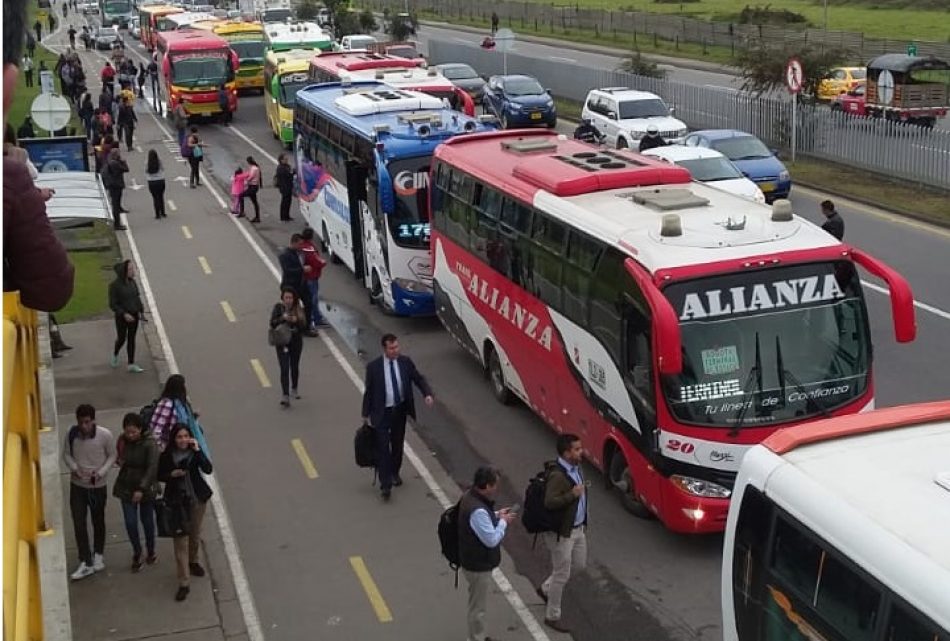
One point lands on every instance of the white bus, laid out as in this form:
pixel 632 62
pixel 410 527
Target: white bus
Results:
pixel 839 530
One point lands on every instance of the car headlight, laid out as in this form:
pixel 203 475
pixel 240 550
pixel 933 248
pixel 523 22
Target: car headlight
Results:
pixel 783 176
pixel 682 133
pixel 637 135
pixel 699 487
pixel 514 106
pixel 414 286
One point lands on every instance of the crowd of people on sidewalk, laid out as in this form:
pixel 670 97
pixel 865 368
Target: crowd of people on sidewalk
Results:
pixel 161 458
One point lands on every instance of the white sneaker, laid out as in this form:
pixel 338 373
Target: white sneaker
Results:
pixel 98 563
pixel 82 572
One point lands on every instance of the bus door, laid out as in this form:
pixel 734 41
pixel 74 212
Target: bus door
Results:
pixel 361 219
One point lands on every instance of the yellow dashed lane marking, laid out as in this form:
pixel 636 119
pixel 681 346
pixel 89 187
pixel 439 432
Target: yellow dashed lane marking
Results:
pixel 261 374
pixel 205 267
pixel 228 312
pixel 372 592
pixel 305 461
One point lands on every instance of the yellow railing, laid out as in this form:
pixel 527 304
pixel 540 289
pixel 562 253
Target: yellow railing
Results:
pixel 22 492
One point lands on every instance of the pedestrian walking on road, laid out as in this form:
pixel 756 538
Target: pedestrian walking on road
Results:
pixel 481 530
pixel 181 467
pixel 155 175
pixel 387 401
pixel 313 260
pixel 113 178
pixel 834 223
pixel 173 407
pixel 225 104
pixel 27 65
pixel 288 322
pixel 565 495
pixel 136 486
pixel 72 35
pixel 195 153
pixel 494 23
pixel 141 79
pixel 153 77
pixel 38 30
pixel 284 182
pixel 180 119
pixel 86 113
pixel 126 304
pixel 126 122
pixel 30 45
pixel 253 186
pixel 292 265
pixel 89 453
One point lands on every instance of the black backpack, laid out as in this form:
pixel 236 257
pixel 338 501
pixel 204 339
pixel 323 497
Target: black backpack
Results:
pixel 449 537
pixel 364 446
pixel 537 518
pixel 145 414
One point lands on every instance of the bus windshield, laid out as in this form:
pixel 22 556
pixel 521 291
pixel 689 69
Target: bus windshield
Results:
pixel 205 69
pixel 409 224
pixel 769 347
pixel 290 84
pixel 248 50
pixel 117 7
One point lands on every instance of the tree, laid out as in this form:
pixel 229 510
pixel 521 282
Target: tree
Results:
pixel 346 23
pixel 368 21
pixel 762 67
pixel 640 66
pixel 307 10
pixel 400 26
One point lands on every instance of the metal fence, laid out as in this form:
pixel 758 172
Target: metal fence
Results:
pixel 627 25
pixel 911 153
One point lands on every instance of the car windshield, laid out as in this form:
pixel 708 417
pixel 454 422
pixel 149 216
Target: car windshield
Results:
pixel 248 50
pixel 523 87
pixel 710 169
pixel 290 84
pixel 106 33
pixel 741 148
pixel 459 72
pixel 771 346
pixel 199 71
pixel 859 74
pixel 118 6
pixel 409 224
pixel 651 108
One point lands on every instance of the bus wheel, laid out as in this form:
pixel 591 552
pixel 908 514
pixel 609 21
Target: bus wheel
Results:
pixel 618 473
pixel 497 378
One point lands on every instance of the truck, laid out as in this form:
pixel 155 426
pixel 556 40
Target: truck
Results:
pixel 901 88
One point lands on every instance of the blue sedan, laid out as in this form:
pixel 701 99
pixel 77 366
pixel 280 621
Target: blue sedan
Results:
pixel 519 101
pixel 750 155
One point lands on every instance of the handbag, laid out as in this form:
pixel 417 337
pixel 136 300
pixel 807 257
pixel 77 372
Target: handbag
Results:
pixel 364 446
pixel 197 151
pixel 280 336
pixel 171 519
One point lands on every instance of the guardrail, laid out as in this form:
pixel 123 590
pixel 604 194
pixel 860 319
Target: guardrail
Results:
pixel 889 148
pixel 23 519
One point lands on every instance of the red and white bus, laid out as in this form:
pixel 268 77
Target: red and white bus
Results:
pixel 669 324
pixel 195 64
pixel 839 531
pixel 404 73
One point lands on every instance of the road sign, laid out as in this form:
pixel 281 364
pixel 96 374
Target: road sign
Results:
pixel 504 40
pixel 912 49
pixel 794 75
pixel 47 84
pixel 50 112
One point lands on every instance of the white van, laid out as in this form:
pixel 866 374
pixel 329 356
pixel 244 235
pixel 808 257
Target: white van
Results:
pixel 351 43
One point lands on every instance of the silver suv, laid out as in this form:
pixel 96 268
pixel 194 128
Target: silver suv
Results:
pixel 623 115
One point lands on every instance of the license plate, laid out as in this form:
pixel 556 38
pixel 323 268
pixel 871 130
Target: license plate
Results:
pixel 767 187
pixel 536 116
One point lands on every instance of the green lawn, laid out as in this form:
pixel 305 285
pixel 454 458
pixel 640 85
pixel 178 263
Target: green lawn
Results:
pixel 892 23
pixel 91 286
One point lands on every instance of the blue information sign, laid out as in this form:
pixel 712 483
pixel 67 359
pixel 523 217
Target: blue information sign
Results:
pixel 68 153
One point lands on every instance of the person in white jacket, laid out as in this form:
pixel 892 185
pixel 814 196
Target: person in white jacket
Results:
pixel 89 452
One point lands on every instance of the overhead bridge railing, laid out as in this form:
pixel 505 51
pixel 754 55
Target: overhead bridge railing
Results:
pixel 23 519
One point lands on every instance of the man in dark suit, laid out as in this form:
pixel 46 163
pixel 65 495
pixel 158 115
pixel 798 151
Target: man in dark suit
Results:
pixel 387 400
pixel 833 224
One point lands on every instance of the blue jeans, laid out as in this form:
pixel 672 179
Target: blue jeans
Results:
pixel 133 513
pixel 315 316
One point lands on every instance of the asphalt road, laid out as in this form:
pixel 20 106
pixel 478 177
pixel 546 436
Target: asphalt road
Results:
pixel 295 536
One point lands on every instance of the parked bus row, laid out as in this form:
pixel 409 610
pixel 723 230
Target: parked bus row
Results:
pixel 668 323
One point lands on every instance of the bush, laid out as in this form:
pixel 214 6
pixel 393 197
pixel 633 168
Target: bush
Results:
pixel 640 66
pixel 368 21
pixel 675 1
pixel 768 15
pixel 307 10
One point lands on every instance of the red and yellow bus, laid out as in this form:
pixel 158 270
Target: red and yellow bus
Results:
pixel 151 22
pixel 669 324
pixel 404 73
pixel 195 64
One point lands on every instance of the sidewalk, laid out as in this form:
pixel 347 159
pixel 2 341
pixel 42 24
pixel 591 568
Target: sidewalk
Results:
pixel 116 604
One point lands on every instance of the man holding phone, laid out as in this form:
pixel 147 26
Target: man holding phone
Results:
pixel 481 530
pixel 89 454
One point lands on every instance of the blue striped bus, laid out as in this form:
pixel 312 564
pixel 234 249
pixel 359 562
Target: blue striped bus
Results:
pixel 365 148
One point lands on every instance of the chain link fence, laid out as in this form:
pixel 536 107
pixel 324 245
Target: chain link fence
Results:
pixel 911 153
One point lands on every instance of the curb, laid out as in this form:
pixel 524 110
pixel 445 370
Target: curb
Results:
pixel 683 63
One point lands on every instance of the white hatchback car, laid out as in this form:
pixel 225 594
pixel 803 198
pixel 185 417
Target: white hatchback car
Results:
pixel 709 166
pixel 623 116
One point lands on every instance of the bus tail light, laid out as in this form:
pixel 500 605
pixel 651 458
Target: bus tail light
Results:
pixel 666 325
pixel 700 487
pixel 902 297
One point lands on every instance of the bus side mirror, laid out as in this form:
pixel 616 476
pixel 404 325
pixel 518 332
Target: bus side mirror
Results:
pixel 901 295
pixel 666 325
pixel 387 202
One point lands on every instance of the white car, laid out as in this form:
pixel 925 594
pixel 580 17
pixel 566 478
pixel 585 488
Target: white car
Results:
pixel 623 116
pixel 133 28
pixel 88 7
pixel 355 42
pixel 711 167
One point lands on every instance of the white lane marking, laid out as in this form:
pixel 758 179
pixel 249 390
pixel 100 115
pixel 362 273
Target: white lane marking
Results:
pixel 231 550
pixel 457 39
pixel 936 311
pixel 253 144
pixel 172 205
pixel 563 59
pixel 504 585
